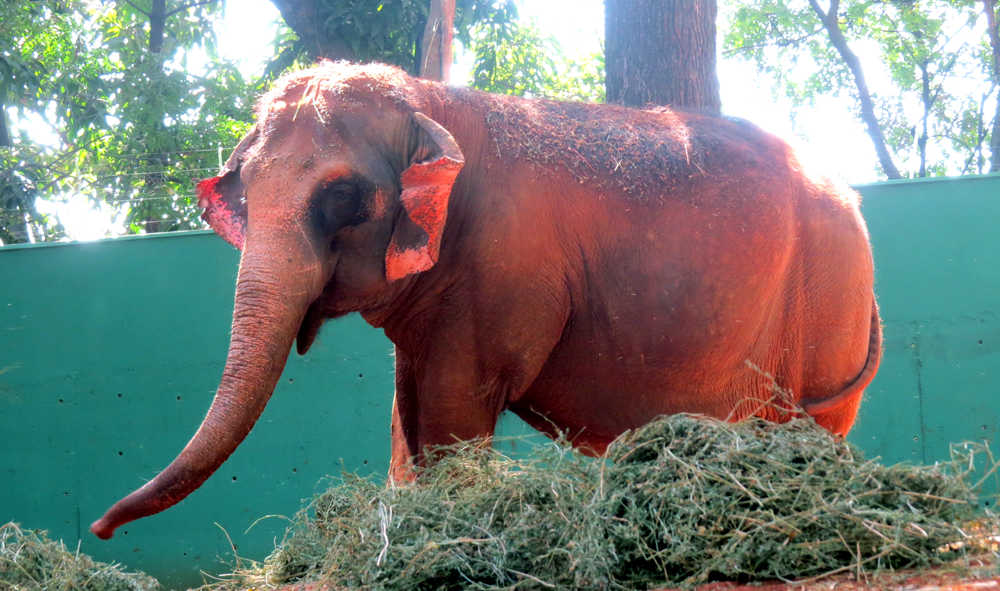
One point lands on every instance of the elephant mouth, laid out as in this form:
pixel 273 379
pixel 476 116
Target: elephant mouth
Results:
pixel 315 316
pixel 311 324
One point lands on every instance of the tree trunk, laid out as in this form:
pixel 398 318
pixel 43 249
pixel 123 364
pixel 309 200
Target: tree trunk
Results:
pixel 831 22
pixel 303 18
pixel 995 139
pixel 5 76
pixel 927 100
pixel 157 25
pixel 5 139
pixel 661 53
pixel 436 46
pixel 157 32
pixel 989 7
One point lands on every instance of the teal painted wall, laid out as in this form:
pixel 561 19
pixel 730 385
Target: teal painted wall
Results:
pixel 110 353
pixel 937 271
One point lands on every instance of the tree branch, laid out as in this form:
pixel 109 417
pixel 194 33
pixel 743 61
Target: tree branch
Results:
pixel 187 6
pixel 5 76
pixel 133 5
pixel 925 96
pixel 981 129
pixel 778 43
pixel 831 22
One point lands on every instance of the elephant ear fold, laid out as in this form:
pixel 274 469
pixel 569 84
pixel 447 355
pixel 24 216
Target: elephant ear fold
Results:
pixel 225 207
pixel 426 189
pixel 224 199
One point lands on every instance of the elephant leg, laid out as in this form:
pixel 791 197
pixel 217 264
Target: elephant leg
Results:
pixel 483 356
pixel 401 461
pixel 440 403
pixel 403 432
pixel 839 420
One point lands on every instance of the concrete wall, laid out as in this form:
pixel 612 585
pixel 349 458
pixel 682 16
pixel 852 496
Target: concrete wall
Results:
pixel 937 270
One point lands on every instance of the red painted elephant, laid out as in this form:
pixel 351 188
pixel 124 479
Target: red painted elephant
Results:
pixel 587 267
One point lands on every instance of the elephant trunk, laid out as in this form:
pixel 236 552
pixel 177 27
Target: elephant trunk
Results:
pixel 268 312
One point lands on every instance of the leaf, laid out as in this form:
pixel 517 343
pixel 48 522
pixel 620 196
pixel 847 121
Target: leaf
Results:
pixel 128 127
pixel 784 43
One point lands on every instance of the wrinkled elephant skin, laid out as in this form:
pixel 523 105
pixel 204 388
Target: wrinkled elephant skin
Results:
pixel 588 267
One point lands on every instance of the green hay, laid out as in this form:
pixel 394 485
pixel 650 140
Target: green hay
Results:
pixel 683 500
pixel 29 561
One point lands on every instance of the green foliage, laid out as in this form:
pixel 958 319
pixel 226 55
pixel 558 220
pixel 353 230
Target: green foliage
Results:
pixel 520 59
pixel 511 56
pixel 19 216
pixel 935 55
pixel 389 31
pixel 101 117
pixel 133 130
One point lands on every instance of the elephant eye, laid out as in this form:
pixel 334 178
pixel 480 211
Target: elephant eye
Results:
pixel 336 205
pixel 338 190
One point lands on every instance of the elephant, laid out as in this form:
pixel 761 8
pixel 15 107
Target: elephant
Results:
pixel 588 267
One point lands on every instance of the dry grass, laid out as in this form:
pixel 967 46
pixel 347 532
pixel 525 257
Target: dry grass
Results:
pixel 29 561
pixel 684 500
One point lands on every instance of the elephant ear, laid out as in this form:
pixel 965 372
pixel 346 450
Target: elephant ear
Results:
pixel 224 199
pixel 426 189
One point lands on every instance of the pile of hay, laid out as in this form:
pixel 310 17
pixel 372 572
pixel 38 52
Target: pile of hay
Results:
pixel 29 561
pixel 683 500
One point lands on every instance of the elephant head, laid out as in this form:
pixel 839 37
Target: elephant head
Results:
pixel 336 198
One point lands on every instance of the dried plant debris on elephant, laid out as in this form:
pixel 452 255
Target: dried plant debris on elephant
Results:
pixel 587 267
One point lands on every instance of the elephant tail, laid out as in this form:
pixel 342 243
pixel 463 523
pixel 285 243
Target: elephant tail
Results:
pixel 853 390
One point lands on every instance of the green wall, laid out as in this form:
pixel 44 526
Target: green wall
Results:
pixel 937 271
pixel 110 353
